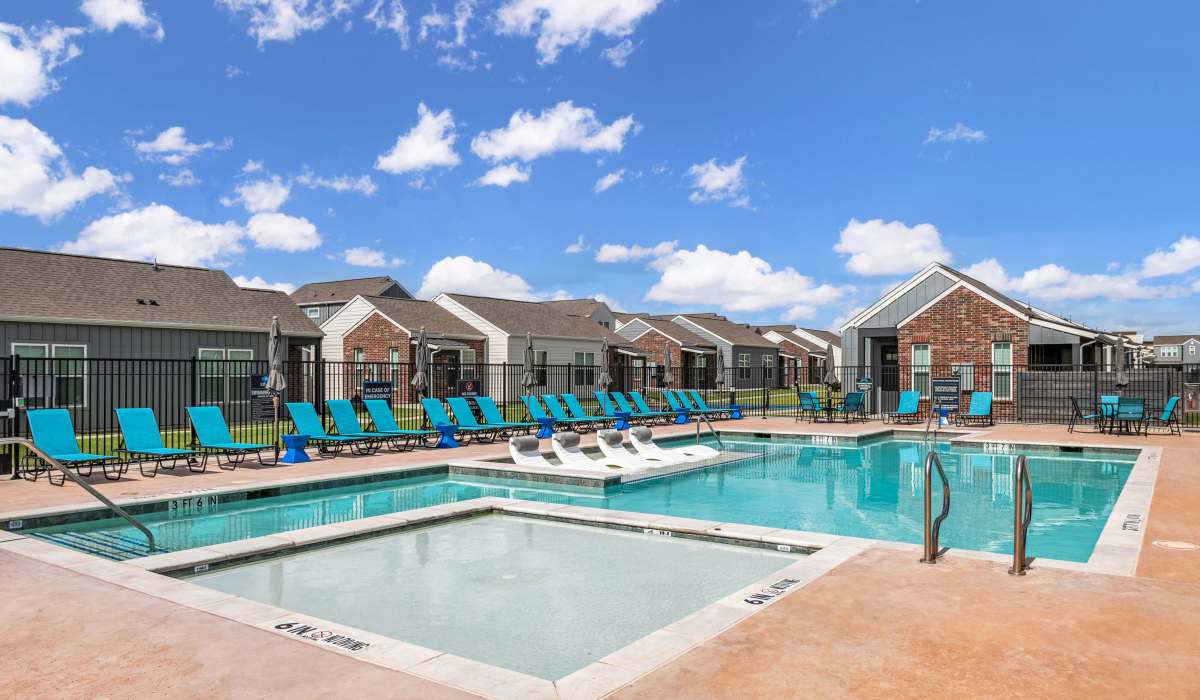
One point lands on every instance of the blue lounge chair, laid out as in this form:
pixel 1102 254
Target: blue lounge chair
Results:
pixel 54 434
pixel 1168 418
pixel 979 412
pixel 1131 415
pixel 562 418
pixel 439 419
pixel 606 404
pixel 577 410
pixel 493 416
pixel 635 414
pixel 307 422
pixel 908 410
pixel 345 421
pixel 212 436
pixel 703 405
pixel 141 438
pixel 681 411
pixel 851 406
pixel 810 406
pixel 465 417
pixel 383 421
pixel 687 403
pixel 643 408
pixel 1078 416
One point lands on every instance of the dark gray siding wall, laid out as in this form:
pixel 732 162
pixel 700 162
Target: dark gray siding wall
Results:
pixel 1049 336
pixel 894 313
pixel 327 310
pixel 396 292
pixel 756 362
pixel 604 317
pixel 114 342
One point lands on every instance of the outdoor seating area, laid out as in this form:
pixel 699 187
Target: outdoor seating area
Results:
pixel 1126 415
pixel 850 407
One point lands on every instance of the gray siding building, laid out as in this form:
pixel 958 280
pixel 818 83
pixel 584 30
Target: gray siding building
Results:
pixel 320 300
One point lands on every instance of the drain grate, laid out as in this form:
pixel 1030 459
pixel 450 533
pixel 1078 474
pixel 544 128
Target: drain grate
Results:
pixel 1176 544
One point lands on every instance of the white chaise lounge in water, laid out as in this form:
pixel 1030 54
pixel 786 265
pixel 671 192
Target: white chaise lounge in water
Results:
pixel 643 441
pixel 612 444
pixel 526 451
pixel 566 448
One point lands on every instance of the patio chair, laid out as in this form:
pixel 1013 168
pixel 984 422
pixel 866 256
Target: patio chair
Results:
pixel 703 405
pixel 213 437
pixel 560 417
pixel 681 411
pixel 53 433
pixel 693 407
pixel 809 406
pixel 907 410
pixel 642 439
pixel 636 414
pixel 384 421
pixel 525 451
pixel 606 404
pixel 493 416
pixel 438 417
pixel 141 438
pixel 851 406
pixel 643 408
pixel 567 448
pixel 345 421
pixel 465 417
pixel 612 445
pixel 1108 408
pixel 307 422
pixel 1078 416
pixel 577 410
pixel 1168 418
pixel 979 412
pixel 1131 415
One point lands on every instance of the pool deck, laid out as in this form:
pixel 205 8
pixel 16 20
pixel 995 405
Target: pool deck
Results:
pixel 878 625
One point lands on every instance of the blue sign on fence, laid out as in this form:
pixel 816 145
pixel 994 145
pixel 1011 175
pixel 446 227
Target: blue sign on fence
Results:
pixel 945 393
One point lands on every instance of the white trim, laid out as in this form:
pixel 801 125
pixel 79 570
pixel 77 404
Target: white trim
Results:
pixel 697 351
pixel 151 324
pixel 650 328
pixel 342 309
pixel 960 284
pixel 895 293
pixel 1009 397
pixel 912 356
pixel 374 312
pixel 697 325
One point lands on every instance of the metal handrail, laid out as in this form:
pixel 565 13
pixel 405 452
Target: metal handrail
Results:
pixel 933 526
pixel 711 430
pixel 1022 515
pixel 28 444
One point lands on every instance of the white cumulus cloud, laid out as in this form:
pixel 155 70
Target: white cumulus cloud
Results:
pixel 738 282
pixel 562 23
pixel 469 276
pixel 958 132
pixel 284 20
pixel 158 232
pixel 111 14
pixel 35 177
pixel 620 253
pixel 390 15
pixel 609 181
pixel 1055 282
pixel 876 247
pixel 563 127
pixel 260 195
pixel 619 55
pixel 257 282
pixel 505 175
pixel 1183 256
pixel 252 166
pixel 362 256
pixel 274 231
pixel 27 59
pixel 172 147
pixel 427 145
pixel 713 182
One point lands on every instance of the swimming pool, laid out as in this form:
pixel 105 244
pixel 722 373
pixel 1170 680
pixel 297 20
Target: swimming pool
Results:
pixel 871 490
pixel 534 596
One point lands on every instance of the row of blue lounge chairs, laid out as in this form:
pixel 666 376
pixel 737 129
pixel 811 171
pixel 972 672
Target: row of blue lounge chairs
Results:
pixel 908 410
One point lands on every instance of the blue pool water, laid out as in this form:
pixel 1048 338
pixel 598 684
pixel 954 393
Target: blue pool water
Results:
pixel 872 490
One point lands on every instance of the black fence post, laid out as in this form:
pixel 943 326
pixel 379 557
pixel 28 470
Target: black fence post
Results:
pixel 14 391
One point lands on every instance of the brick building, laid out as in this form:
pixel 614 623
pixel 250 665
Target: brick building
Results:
pixel 942 323
pixel 692 356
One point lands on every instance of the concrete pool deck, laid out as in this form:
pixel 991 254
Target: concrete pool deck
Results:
pixel 878 625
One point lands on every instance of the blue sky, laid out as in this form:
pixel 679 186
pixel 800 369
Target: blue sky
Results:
pixel 771 160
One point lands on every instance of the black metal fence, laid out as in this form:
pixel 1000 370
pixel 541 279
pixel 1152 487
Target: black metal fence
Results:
pixel 92 388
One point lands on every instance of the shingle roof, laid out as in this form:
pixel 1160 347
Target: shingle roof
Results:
pixel 415 314
pixel 67 288
pixel 1173 339
pixel 827 336
pixel 574 307
pixel 736 333
pixel 335 291
pixel 678 332
pixel 778 328
pixel 521 317
pixel 626 316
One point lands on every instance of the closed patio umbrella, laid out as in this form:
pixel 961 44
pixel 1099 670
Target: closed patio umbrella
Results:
pixel 604 379
pixel 668 377
pixel 420 378
pixel 1122 379
pixel 528 380
pixel 831 375
pixel 720 378
pixel 276 381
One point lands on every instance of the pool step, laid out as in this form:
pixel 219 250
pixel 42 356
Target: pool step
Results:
pixel 101 544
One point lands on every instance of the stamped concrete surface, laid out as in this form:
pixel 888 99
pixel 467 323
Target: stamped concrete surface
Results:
pixel 884 626
pixel 72 636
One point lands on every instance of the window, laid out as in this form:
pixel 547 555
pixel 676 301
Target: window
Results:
pixel 313 312
pixel 61 383
pixel 1169 352
pixel 1192 349
pixel 394 356
pixel 743 364
pixel 920 368
pixel 224 374
pixel 466 361
pixel 965 371
pixel 605 324
pixel 360 370
pixel 1002 371
pixel 768 366
pixel 585 368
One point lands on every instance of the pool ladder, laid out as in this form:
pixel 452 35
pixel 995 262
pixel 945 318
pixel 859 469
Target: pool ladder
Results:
pixel 933 526
pixel 711 431
pixel 1022 515
pixel 55 464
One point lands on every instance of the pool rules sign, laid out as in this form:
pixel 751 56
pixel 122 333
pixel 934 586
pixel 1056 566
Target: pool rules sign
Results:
pixel 945 393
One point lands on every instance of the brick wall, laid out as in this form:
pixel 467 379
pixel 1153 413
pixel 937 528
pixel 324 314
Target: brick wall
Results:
pixel 961 329
pixel 657 346
pixel 796 366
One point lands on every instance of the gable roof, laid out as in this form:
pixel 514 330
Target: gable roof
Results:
pixel 778 328
pixel 575 307
pixel 678 333
pixel 826 336
pixel 521 317
pixel 81 289
pixel 335 291
pixel 735 333
pixel 1174 339
pixel 415 314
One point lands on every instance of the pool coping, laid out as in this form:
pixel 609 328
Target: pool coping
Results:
pixel 615 670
